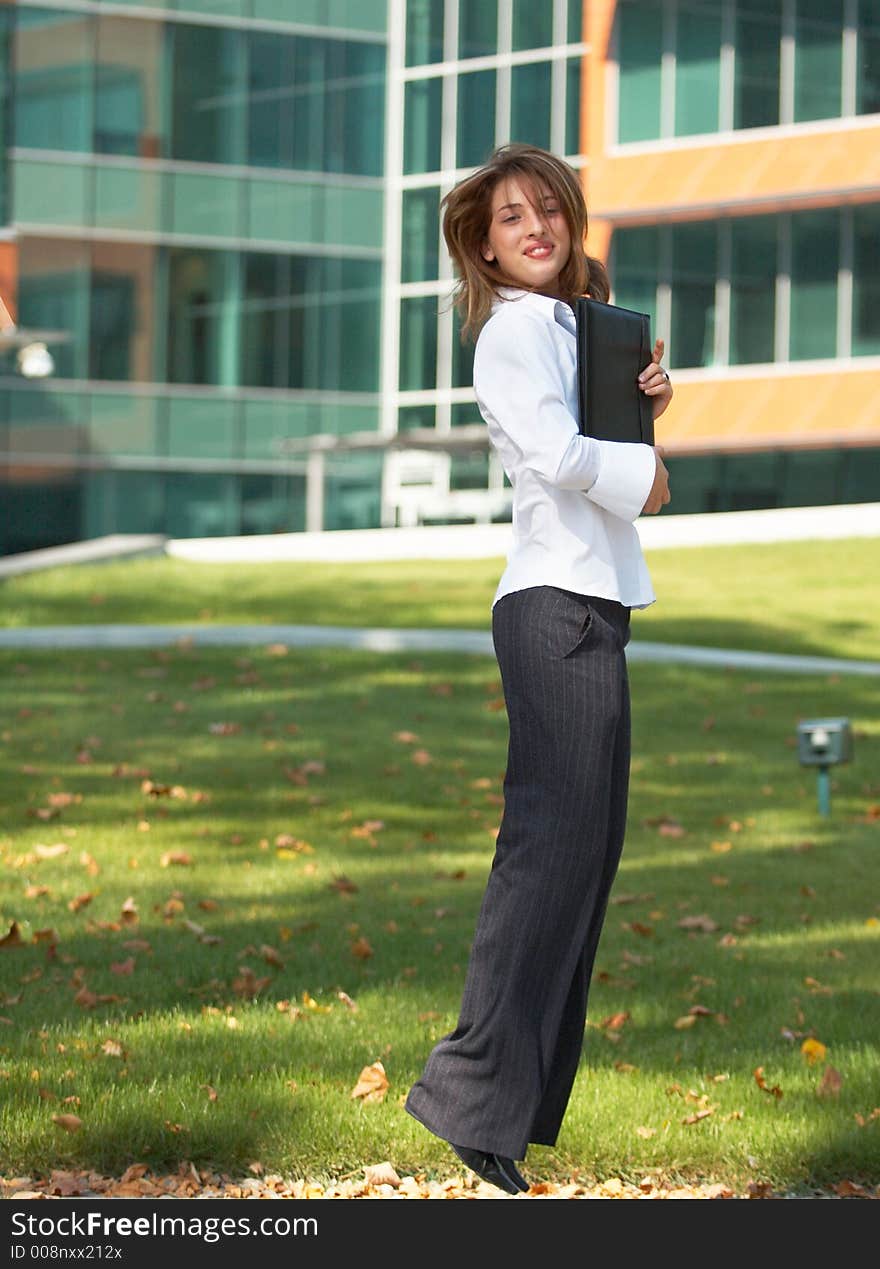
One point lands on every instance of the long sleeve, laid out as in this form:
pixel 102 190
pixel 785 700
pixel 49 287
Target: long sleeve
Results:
pixel 520 386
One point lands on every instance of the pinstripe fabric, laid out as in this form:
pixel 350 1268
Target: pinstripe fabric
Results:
pixel 503 1077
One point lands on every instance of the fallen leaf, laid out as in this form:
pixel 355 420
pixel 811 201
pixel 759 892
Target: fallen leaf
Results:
pixel 372 1084
pixel 615 1021
pixel 128 912
pixel 309 1003
pixel 81 901
pixel 646 1132
pixel 70 1123
pixel 830 1084
pixel 701 922
pixel 342 885
pixel 850 1189
pixel 13 937
pixel 776 1091
pixel 176 857
pixel 361 949
pixel 123 968
pixel 698 1115
pixel 51 852
pixel 381 1174
pixel 813 1050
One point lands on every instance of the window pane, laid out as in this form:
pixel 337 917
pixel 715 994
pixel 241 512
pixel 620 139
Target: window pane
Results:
pixel 53 294
pixel 424 31
pixel 265 321
pixel 199 504
pixel 694 271
pixel 462 358
pixel 866 280
pixel 640 45
pixel 756 75
pixel 341 311
pixel 128 101
pixel 530 104
pixel 815 249
pixel 271 103
pixel 576 33
pixel 478 29
pixel 868 82
pixel 532 24
pixel 818 59
pixel 697 68
pixel 476 117
pixel 123 319
pixel 354 101
pixel 416 416
pixel 753 267
pixel 208 94
pixel 421 128
pixel 421 229
pixel 202 317
pixel 573 105
pixel 634 273
pixel 54 99
pixel 418 343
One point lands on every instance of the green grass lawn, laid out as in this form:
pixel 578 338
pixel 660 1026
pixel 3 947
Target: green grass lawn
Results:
pixel 799 597
pixel 202 848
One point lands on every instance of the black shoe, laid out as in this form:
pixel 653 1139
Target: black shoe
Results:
pixel 497 1169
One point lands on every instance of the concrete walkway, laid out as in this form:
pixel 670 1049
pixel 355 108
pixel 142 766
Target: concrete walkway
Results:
pixel 387 639
pixel 433 542
pixel 491 541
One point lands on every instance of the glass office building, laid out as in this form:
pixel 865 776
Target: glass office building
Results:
pixel 226 214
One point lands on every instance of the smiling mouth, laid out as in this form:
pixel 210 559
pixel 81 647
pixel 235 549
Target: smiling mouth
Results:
pixel 539 253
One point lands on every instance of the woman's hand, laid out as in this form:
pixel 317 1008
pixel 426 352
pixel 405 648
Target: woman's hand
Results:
pixel 659 495
pixel 654 381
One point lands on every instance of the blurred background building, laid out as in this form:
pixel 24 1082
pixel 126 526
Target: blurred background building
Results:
pixel 225 214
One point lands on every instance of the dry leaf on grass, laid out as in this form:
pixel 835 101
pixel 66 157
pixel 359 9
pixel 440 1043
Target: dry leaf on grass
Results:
pixel 813 1050
pixel 70 1123
pixel 13 937
pixel 372 1084
pixel 830 1084
pixel 701 922
pixel 381 1174
pixel 763 1085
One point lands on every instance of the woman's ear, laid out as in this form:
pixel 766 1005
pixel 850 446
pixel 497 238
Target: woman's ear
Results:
pixel 486 251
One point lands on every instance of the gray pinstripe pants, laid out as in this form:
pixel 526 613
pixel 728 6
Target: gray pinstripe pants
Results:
pixel 503 1077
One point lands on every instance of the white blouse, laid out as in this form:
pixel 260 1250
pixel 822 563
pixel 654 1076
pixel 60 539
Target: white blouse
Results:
pixel 575 498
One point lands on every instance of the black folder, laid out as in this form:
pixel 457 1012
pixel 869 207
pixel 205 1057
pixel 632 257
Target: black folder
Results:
pixel 613 348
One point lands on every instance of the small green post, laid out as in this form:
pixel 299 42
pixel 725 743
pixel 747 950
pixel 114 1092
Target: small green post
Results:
pixel 824 791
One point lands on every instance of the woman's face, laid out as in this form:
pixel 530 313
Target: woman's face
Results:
pixel 528 234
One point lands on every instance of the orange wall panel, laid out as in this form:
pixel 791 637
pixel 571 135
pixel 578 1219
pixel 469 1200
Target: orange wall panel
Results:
pixel 833 407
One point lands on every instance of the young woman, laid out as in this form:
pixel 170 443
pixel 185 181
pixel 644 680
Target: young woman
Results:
pixel 515 231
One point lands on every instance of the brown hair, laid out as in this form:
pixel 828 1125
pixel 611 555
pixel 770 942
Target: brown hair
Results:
pixel 467 214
